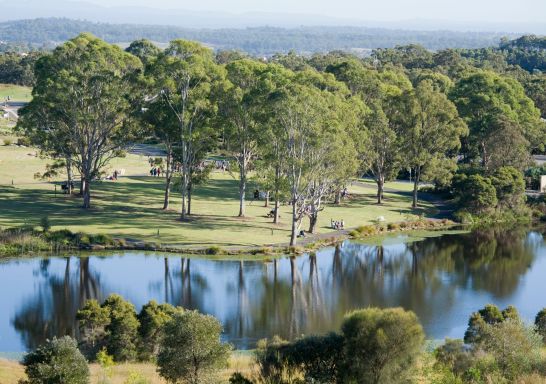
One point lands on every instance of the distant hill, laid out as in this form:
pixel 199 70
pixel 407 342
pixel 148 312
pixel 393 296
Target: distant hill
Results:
pixel 256 41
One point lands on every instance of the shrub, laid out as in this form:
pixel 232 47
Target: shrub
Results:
pixel 515 347
pixel 381 345
pixel 214 250
pixel 45 224
pixel 540 324
pixel 453 355
pixel 488 315
pixel 25 141
pixel 152 318
pixel 510 186
pixel 58 361
pixel 366 230
pixel 136 378
pixel 191 349
pixel 92 321
pixel 272 363
pixel 476 193
pixel 393 226
pixel 83 239
pixel 238 378
pixel 8 142
pixel 319 357
pixel 122 328
pixel 101 239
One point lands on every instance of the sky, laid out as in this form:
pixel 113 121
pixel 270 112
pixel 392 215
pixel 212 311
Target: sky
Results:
pixel 491 11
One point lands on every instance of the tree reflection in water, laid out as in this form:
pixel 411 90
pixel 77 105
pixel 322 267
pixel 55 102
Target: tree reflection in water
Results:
pixel 437 278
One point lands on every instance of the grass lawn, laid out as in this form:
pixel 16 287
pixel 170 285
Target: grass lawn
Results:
pixel 15 92
pixel 131 207
pixel 12 371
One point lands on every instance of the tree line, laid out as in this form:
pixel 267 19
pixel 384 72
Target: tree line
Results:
pixel 256 41
pixel 302 127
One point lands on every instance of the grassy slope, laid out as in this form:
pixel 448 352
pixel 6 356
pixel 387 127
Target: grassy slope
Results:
pixel 16 92
pixel 131 207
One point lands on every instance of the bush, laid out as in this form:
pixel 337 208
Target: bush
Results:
pixel 381 345
pixel 122 329
pixel 540 324
pixel 238 378
pixel 92 321
pixel 393 226
pixel 318 357
pixel 191 349
pixel 453 355
pixel 515 347
pixel 151 319
pixel 214 250
pixel 45 224
pixel 58 361
pixel 489 315
pixel 136 378
pixel 272 363
pixel 25 141
pixel 476 193
pixel 101 239
pixel 8 142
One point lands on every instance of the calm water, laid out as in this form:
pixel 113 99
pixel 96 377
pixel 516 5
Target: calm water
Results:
pixel 443 279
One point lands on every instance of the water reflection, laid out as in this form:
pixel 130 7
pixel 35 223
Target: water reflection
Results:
pixel 442 279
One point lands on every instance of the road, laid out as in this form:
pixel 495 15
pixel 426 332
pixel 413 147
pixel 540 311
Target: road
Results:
pixel 12 108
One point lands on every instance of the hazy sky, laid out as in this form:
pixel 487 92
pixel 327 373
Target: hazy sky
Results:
pixel 380 10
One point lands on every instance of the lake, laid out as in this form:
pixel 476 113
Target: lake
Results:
pixel 442 278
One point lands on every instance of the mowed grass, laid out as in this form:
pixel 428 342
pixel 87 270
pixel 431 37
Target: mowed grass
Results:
pixel 11 371
pixel 15 92
pixel 131 207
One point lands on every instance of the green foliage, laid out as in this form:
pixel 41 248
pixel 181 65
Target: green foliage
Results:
pixel 92 321
pixel 380 345
pixel 515 347
pixel 454 356
pixel 489 315
pixel 122 329
pixel 191 349
pixel 314 358
pixel 82 103
pixel 136 378
pixel 510 187
pixel 258 41
pixel 152 318
pixel 58 361
pixel 490 104
pixel 18 69
pixel 107 364
pixel 475 192
pixel 45 224
pixel 540 324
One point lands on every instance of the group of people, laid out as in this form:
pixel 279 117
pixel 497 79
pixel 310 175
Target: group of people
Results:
pixel 338 225
pixel 155 172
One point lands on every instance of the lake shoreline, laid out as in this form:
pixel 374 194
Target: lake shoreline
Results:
pixel 310 243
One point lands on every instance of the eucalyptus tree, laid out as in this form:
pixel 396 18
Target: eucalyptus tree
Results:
pixel 271 168
pixel 430 128
pixel 165 127
pixel 144 49
pixel 185 77
pixel 487 100
pixel 242 106
pixel 84 95
pixel 35 122
pixel 317 144
pixel 379 143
